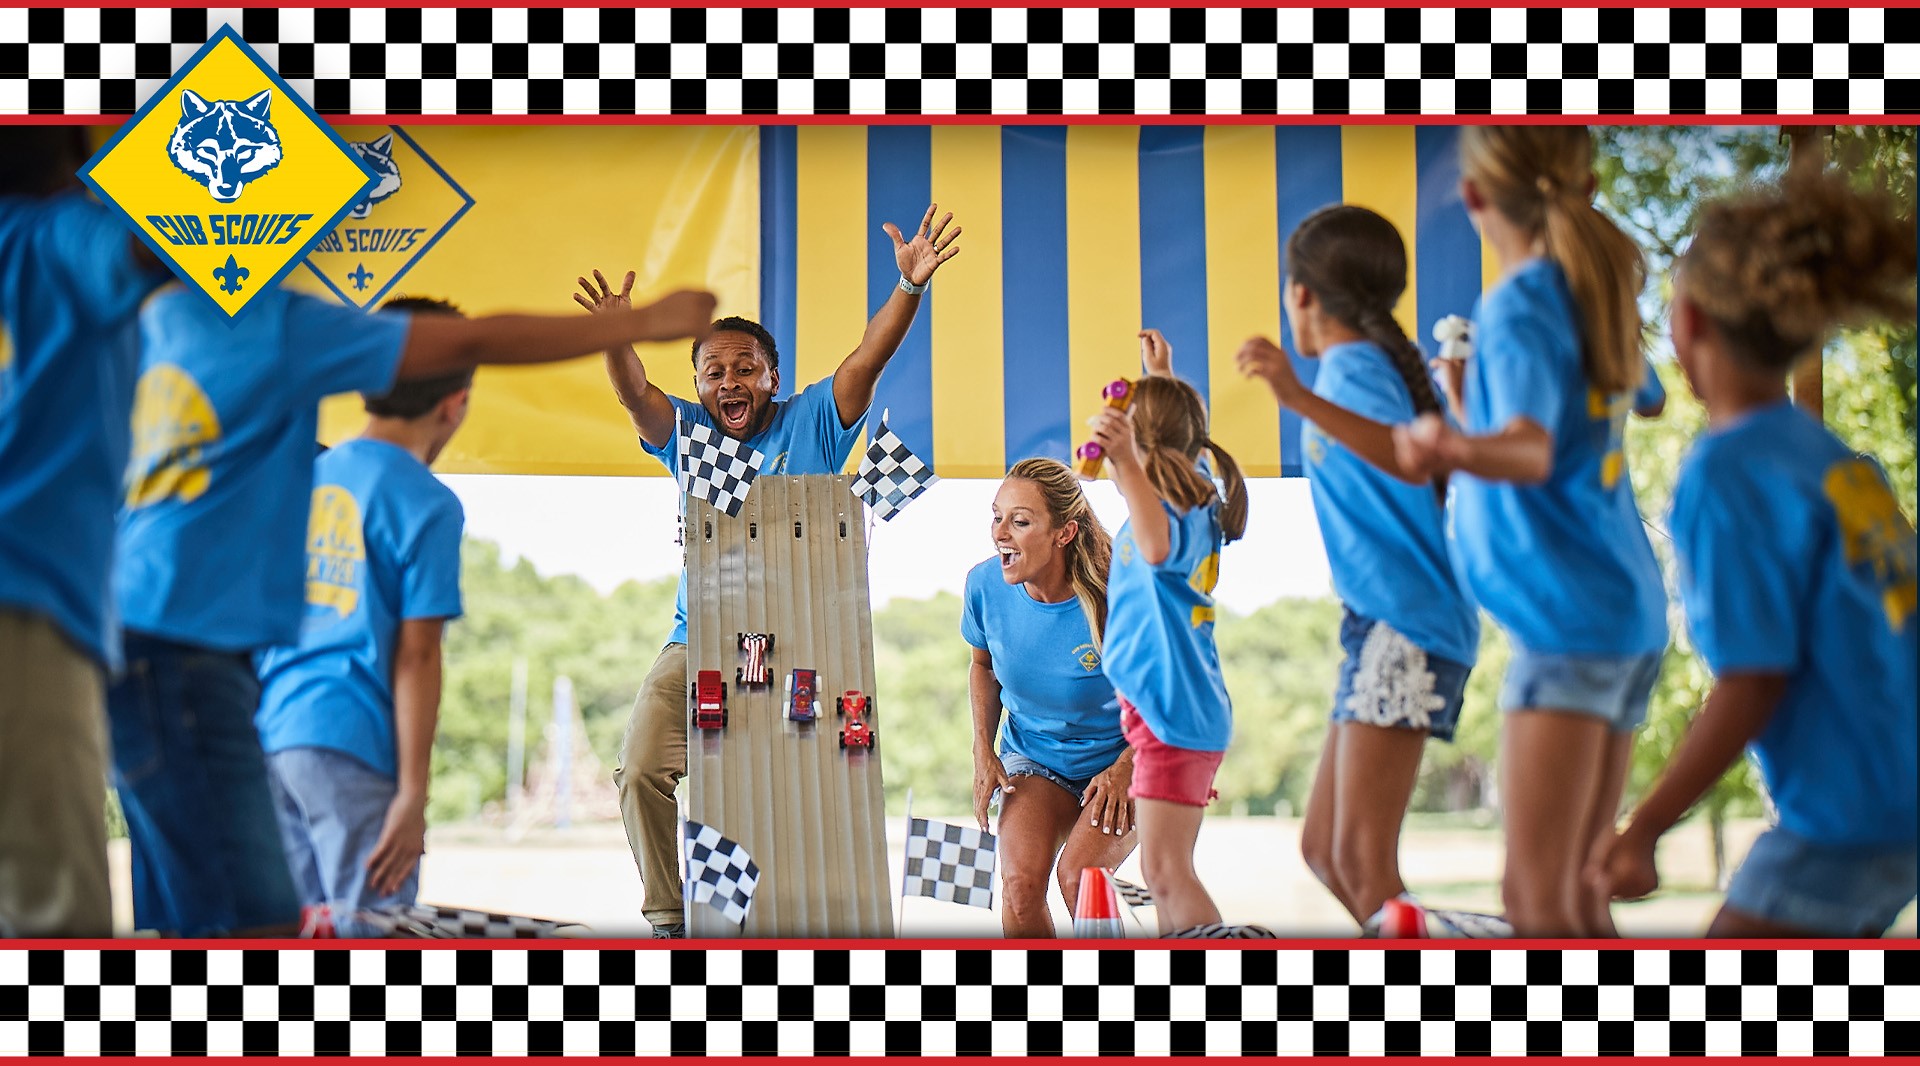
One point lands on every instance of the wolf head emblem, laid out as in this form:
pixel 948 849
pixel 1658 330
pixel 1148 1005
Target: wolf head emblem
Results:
pixel 378 155
pixel 224 144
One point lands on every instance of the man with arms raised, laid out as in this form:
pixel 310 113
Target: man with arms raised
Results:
pixel 736 373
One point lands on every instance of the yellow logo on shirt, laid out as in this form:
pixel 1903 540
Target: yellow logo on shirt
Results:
pixel 6 363
pixel 173 425
pixel 228 175
pixel 1612 408
pixel 1206 575
pixel 1875 537
pixel 1088 657
pixel 336 550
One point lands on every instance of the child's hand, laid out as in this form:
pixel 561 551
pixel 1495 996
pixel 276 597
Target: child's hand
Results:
pixel 1625 869
pixel 1262 358
pixel 1156 355
pixel 1113 431
pixel 1425 447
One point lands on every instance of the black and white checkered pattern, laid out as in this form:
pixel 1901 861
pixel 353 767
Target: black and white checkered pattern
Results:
pixel 1002 61
pixel 1245 998
pixel 949 862
pixel 890 475
pixel 719 871
pixel 1131 894
pixel 430 922
pixel 715 467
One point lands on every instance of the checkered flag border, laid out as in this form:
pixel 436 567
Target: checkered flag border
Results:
pixel 1003 61
pixel 890 475
pixel 952 863
pixel 429 921
pixel 715 467
pixel 719 872
pixel 952 998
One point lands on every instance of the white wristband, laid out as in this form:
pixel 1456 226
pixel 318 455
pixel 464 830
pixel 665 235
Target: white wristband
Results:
pixel 911 289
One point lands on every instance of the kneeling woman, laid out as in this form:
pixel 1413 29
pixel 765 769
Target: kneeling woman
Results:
pixel 1034 616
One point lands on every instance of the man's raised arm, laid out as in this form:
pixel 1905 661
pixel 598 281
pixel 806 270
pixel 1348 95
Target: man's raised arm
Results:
pixel 646 404
pixel 859 372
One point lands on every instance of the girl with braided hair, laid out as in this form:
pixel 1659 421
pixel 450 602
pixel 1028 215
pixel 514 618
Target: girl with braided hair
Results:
pixel 1410 634
pixel 1544 526
pixel 1159 645
pixel 1796 570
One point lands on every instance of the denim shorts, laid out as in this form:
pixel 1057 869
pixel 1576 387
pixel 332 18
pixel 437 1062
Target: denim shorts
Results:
pixel 1832 891
pixel 1386 680
pixel 1614 689
pixel 1018 765
pixel 207 856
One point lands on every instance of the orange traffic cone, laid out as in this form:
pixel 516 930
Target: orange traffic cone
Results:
pixel 1403 919
pixel 1097 912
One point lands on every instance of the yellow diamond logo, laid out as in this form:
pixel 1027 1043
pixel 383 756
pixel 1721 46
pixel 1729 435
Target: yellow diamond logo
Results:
pixel 228 175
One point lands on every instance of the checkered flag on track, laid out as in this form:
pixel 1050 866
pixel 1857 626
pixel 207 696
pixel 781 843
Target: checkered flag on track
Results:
pixel 429 921
pixel 719 871
pixel 1131 894
pixel 715 467
pixel 949 862
pixel 890 475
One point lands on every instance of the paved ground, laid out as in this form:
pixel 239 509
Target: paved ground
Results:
pixel 1251 865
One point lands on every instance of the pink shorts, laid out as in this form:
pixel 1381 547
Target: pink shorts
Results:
pixel 1164 772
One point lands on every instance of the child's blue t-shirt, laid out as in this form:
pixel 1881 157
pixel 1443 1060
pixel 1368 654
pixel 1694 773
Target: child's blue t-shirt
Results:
pixel 1061 709
pixel 70 292
pixel 1564 566
pixel 1795 559
pixel 1386 540
pixel 383 547
pixel 804 437
pixel 224 421
pixel 1160 653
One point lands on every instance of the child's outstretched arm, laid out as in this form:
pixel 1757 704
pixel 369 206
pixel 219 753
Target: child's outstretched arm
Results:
pixel 1520 452
pixel 1152 535
pixel 1736 712
pixel 1370 440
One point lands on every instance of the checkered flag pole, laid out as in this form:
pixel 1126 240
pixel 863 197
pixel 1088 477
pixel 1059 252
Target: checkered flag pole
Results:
pixel 719 871
pixel 715 467
pixel 890 476
pixel 948 862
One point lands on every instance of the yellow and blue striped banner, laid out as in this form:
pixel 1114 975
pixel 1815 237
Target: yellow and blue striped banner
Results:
pixel 1076 237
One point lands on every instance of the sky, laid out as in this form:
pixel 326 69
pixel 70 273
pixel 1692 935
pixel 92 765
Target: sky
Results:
pixel 609 530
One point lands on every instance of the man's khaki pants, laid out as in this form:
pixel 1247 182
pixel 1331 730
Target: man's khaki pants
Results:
pixel 53 784
pixel 653 759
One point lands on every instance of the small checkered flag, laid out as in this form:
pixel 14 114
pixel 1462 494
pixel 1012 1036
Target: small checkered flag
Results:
pixel 715 467
pixel 949 862
pixel 890 475
pixel 719 871
pixel 1131 894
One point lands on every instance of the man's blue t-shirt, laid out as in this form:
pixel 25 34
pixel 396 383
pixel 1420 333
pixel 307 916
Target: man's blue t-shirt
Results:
pixel 1061 710
pixel 383 547
pixel 1160 653
pixel 1795 559
pixel 804 437
pixel 224 422
pixel 1564 566
pixel 1386 540
pixel 70 292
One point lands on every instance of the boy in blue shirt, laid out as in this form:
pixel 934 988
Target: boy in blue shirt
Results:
pixel 1797 569
pixel 347 714
pixel 71 281
pixel 736 375
pixel 208 563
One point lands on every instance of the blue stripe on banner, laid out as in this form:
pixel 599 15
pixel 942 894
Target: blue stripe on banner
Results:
pixel 779 217
pixel 899 178
pixel 1307 177
pixel 1447 245
pixel 1173 244
pixel 1033 219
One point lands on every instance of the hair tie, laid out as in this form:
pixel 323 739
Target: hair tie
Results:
pixel 1545 185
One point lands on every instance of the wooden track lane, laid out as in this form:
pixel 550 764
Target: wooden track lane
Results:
pixel 792 563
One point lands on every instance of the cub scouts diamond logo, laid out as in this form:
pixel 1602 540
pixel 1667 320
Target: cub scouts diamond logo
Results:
pixel 413 203
pixel 228 175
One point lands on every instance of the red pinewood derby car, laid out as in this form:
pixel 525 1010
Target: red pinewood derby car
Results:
pixel 800 687
pixel 709 700
pixel 854 706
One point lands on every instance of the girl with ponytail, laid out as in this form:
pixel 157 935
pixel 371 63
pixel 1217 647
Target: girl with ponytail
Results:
pixel 1410 634
pixel 1544 525
pixel 1797 572
pixel 1034 616
pixel 1160 652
